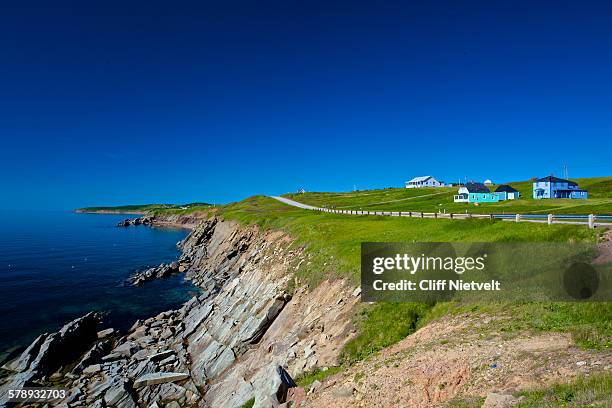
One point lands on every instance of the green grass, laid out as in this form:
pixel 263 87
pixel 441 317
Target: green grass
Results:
pixel 249 403
pixel 333 241
pixel 382 325
pixel 595 390
pixel 317 374
pixel 589 323
pixel 182 210
pixel 465 402
pixel 441 199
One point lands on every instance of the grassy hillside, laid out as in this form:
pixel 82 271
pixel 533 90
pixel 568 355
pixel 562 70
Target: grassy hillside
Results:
pixel 441 199
pixel 143 208
pixel 332 243
pixel 334 240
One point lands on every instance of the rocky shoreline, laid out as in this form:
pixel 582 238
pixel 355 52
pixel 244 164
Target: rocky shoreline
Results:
pixel 146 220
pixel 245 336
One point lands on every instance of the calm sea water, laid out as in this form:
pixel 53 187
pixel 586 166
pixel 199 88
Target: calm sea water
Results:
pixel 56 266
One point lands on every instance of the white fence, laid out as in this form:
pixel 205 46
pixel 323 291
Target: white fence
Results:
pixel 591 220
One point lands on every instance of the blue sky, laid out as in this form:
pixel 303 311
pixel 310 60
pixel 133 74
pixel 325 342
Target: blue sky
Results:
pixel 108 103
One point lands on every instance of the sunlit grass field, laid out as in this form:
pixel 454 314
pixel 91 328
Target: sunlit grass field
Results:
pixel 441 199
pixel 332 243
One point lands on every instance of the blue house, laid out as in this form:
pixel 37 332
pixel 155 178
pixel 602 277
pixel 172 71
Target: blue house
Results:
pixel 506 192
pixel 554 187
pixel 475 193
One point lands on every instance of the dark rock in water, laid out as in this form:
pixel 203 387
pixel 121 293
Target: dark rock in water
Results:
pixel 51 352
pixel 27 356
pixel 10 354
pixel 161 271
pixel 136 221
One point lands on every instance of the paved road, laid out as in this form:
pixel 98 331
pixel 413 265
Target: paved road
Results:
pixel 563 219
pixel 294 203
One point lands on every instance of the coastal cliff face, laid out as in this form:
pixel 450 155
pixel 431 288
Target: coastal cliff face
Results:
pixel 224 346
pixel 191 220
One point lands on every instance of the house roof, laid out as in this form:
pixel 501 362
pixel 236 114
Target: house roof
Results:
pixel 477 188
pixel 420 178
pixel 553 179
pixel 504 188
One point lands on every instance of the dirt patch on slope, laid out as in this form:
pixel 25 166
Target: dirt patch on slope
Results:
pixel 457 356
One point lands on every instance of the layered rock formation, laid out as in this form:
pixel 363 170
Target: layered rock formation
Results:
pixel 231 343
pixel 146 220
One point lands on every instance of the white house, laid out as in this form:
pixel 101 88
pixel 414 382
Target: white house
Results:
pixel 424 181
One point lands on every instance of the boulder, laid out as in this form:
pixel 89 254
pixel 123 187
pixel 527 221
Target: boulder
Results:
pixel 126 349
pixel 49 352
pixel 22 362
pixel 274 390
pixel 93 356
pixel 141 355
pixel 106 333
pixel 161 271
pixel 159 378
pixel 495 400
pixel 314 387
pixel 115 394
pixel 92 369
pixel 264 323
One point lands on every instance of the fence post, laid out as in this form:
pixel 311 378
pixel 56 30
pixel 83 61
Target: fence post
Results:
pixel 591 221
pixel 451 216
pixel 517 218
pixel 550 219
pixel 436 215
pixel 491 216
pixel 422 215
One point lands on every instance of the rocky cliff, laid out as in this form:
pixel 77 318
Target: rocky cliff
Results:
pixel 231 343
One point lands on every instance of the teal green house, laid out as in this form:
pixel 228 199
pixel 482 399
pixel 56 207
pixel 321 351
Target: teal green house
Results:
pixel 475 193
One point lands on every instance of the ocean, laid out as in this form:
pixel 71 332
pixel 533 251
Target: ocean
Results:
pixel 57 266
